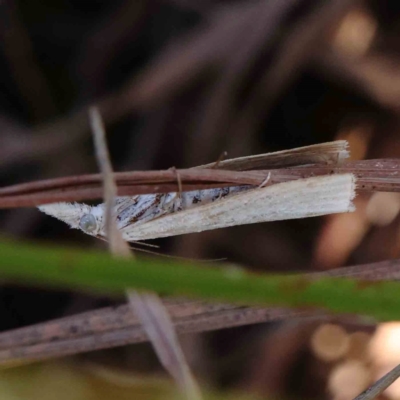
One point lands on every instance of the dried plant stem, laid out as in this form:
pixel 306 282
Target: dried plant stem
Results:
pixel 379 386
pixel 238 316
pixel 149 308
pixel 113 319
pixel 117 245
pixel 372 175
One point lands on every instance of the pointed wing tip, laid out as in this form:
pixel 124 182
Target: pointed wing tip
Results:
pixel 56 209
pixel 70 213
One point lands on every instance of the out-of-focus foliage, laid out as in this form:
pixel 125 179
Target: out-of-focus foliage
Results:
pixel 72 381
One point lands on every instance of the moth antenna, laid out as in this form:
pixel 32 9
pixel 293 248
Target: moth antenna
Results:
pixel 176 257
pixel 146 244
pixel 221 157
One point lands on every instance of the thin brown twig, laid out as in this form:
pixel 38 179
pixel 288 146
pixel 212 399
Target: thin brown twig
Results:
pixel 372 175
pixel 324 153
pixel 190 176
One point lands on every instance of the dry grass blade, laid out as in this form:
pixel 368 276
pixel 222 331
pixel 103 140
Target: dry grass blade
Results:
pixel 150 310
pixel 379 386
pixel 103 320
pixel 330 153
pixel 162 334
pixel 213 320
pixel 117 245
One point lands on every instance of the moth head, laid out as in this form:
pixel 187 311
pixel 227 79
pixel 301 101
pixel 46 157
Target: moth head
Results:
pixel 88 223
pixel 77 216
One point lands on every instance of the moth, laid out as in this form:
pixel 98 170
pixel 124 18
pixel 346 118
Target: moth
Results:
pixel 151 216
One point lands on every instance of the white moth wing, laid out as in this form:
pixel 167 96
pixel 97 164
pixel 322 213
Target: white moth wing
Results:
pixel 290 200
pixel 122 203
pixel 70 213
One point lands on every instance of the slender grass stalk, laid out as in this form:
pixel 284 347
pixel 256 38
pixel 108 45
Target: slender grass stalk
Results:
pixel 98 272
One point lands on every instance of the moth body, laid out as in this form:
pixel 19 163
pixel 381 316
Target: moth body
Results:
pixel 152 216
pixel 134 210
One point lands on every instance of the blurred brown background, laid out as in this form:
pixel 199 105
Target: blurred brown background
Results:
pixel 179 82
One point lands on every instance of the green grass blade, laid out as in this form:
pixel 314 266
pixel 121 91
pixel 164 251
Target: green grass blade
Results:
pixel 96 271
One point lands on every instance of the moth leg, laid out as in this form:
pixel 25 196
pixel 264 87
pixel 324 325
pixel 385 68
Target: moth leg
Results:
pixel 221 157
pixel 265 181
